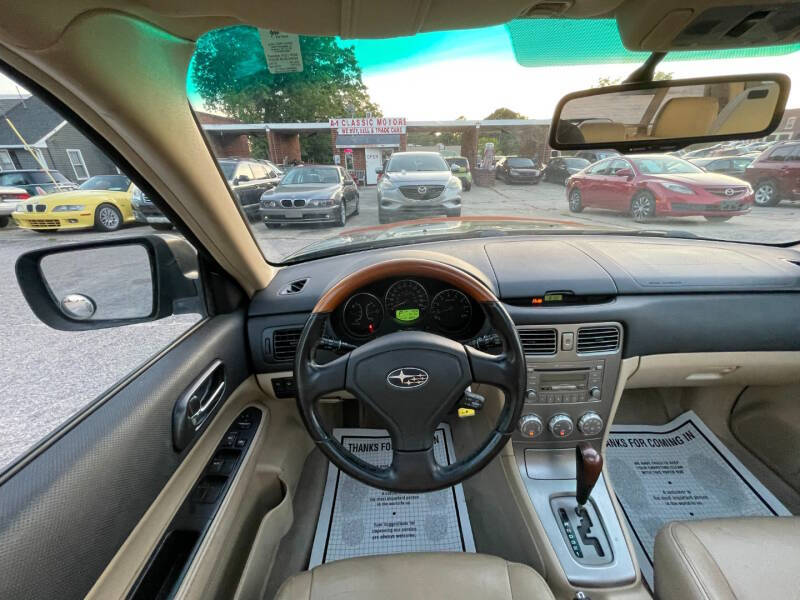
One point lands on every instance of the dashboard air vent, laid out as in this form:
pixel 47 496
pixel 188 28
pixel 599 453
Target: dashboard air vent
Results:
pixel 597 339
pixel 538 341
pixel 284 344
pixel 295 287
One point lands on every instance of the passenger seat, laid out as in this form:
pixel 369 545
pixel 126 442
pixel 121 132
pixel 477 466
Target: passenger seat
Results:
pixel 730 559
pixel 685 117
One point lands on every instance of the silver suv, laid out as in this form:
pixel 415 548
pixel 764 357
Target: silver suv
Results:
pixel 417 184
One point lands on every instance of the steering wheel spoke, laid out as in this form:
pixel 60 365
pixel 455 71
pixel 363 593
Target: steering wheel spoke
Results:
pixel 492 369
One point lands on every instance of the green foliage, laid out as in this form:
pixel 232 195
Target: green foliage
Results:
pixel 608 81
pixel 505 113
pixel 229 73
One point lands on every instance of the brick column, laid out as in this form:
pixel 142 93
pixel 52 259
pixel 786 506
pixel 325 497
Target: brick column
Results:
pixel 469 146
pixel 284 145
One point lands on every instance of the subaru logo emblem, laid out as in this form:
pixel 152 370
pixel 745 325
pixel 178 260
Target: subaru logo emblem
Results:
pixel 421 190
pixel 407 378
pixel 729 191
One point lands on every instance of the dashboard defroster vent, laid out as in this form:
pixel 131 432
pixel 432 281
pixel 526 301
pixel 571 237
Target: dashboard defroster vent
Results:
pixel 284 343
pixel 295 287
pixel 597 339
pixel 538 341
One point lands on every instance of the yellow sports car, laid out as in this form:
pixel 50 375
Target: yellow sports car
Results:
pixel 102 202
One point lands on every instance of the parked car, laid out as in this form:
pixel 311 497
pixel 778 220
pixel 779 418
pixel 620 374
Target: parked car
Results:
pixel 102 202
pixel 729 165
pixel 9 198
pixel 463 172
pixel 561 167
pixel 701 152
pixel 146 212
pixel 418 184
pixel 249 179
pixel 311 194
pixel 594 155
pixel 654 185
pixel 518 169
pixel 37 181
pixel 775 174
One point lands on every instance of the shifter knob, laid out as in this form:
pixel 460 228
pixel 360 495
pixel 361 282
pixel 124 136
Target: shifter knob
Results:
pixel 588 466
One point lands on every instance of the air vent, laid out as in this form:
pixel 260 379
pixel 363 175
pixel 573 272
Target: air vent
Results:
pixel 295 287
pixel 284 344
pixel 538 341
pixel 597 339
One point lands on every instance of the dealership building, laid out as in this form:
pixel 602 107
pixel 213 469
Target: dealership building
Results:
pixel 362 144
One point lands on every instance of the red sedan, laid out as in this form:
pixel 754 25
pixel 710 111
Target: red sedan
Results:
pixel 657 185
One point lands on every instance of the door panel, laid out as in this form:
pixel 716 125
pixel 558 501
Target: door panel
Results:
pixel 65 513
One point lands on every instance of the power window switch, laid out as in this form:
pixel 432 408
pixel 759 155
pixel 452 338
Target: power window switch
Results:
pixel 567 340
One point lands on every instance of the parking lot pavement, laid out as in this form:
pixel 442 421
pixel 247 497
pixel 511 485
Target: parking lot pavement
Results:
pixel 47 375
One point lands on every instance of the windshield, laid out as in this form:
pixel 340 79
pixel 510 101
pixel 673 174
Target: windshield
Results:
pixel 520 163
pixel 112 183
pixel 395 115
pixel 310 175
pixel 416 162
pixel 664 165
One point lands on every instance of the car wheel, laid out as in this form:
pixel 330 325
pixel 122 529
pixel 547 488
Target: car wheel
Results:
pixel 342 218
pixel 766 193
pixel 468 187
pixel 643 206
pixel 162 226
pixel 107 218
pixel 715 219
pixel 575 201
pixel 358 201
pixel 383 219
pixel 3 222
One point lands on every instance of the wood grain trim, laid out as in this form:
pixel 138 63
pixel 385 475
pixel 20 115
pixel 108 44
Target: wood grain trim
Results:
pixel 403 267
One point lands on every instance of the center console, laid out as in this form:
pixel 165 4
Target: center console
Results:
pixel 572 378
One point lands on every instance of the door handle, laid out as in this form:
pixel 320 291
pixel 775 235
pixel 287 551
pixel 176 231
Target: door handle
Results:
pixel 197 403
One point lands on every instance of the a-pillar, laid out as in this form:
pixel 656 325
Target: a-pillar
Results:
pixel 284 147
pixel 469 145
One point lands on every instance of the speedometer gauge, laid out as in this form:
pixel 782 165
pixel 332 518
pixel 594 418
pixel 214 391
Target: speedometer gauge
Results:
pixel 451 310
pixel 406 301
pixel 362 315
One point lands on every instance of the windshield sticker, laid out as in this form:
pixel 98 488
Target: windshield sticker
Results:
pixel 282 51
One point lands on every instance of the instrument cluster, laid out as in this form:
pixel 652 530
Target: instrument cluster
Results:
pixel 403 303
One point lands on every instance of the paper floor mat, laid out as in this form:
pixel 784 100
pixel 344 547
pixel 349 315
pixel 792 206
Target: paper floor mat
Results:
pixel 679 471
pixel 359 520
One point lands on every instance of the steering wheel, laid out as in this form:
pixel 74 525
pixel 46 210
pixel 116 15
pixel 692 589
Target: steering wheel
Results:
pixel 412 379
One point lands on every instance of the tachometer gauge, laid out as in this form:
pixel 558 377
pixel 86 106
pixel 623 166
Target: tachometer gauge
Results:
pixel 406 301
pixel 362 315
pixel 451 310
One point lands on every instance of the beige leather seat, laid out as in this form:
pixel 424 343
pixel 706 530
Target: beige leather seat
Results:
pixel 440 576
pixel 602 131
pixel 685 117
pixel 736 559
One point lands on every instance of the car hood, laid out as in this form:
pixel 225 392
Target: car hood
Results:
pixel 304 190
pixel 419 177
pixel 78 196
pixel 700 178
pixel 454 226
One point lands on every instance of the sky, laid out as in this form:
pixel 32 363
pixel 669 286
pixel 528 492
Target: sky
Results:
pixel 442 75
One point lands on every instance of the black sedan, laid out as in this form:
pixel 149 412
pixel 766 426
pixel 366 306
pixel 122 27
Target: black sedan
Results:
pixel 311 194
pixel 561 167
pixel 518 169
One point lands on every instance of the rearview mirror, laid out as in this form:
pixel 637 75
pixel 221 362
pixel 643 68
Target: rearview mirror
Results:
pixel 97 285
pixel 668 115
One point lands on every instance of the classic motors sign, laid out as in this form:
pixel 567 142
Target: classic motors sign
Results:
pixel 369 125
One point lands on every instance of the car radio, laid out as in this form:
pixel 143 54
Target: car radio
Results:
pixel 565 383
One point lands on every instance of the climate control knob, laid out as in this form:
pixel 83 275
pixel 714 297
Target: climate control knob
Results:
pixel 530 395
pixel 590 423
pixel 561 426
pixel 595 393
pixel 531 425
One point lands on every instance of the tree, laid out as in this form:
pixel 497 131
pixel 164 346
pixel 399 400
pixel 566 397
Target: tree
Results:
pixel 608 81
pixel 505 113
pixel 229 73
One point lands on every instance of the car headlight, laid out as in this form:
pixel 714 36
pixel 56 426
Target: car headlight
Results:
pixel 68 207
pixel 20 208
pixel 137 198
pixel 454 183
pixel 269 203
pixel 513 171
pixel 386 184
pixel 677 187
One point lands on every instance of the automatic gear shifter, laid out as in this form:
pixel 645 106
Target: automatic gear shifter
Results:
pixel 589 465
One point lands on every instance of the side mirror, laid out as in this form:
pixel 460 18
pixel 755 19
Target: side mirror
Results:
pixel 628 173
pixel 143 279
pixel 379 170
pixel 454 168
pixel 241 179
